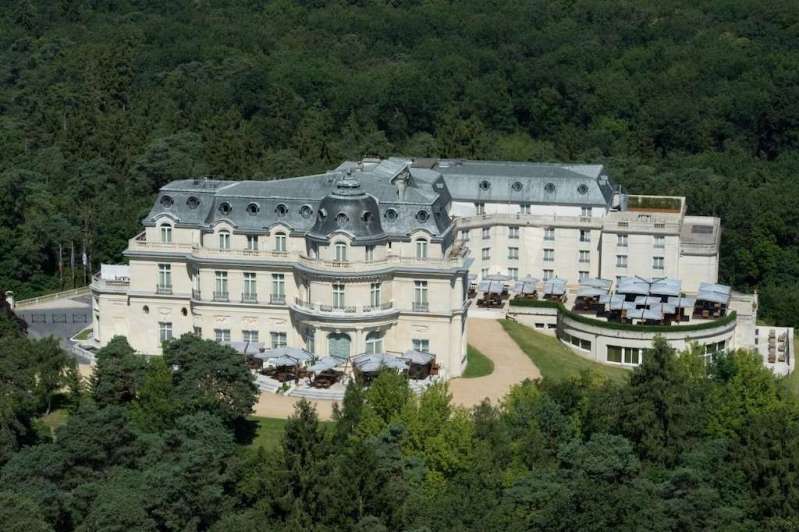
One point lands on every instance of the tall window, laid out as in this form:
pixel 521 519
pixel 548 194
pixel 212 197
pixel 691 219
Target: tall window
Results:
pixel 486 253
pixel 657 263
pixel 222 335
pixel 524 208
pixel 341 252
pixel 483 272
pixel 252 242
pixel 486 233
pixel 585 256
pixel 585 212
pixel 166 233
pixel 338 295
pixel 250 336
pixel 370 253
pixel 250 290
pixel 583 275
pixel 280 242
pixel 421 248
pixel 513 233
pixel 279 339
pixel 621 261
pixel 513 253
pixel 465 235
pixel 164 277
pixel 480 208
pixel 278 288
pixel 310 340
pixel 224 240
pixel 220 290
pixel 420 296
pixel 165 330
pixel 585 235
pixel 549 233
pixel 621 241
pixel 660 241
pixel 198 331
pixel 514 273
pixel 421 344
pixel 549 274
pixel 374 343
pixel 549 255
pixel 374 294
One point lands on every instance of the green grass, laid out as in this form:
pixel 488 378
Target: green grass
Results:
pixel 269 432
pixel 792 382
pixel 85 334
pixel 556 361
pixel 477 364
pixel 54 419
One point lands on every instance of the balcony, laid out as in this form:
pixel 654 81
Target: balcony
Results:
pixel 249 297
pixel 164 289
pixel 421 307
pixel 345 313
pixel 277 299
pixel 389 261
pixel 117 286
pixel 221 296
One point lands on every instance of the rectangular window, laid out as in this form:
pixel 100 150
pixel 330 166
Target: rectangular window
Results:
pixel 249 295
pixel 420 296
pixel 631 355
pixel 338 295
pixel 165 330
pixel 549 233
pixel 166 234
pixel 513 233
pixel 278 288
pixel 614 354
pixel 585 212
pixel 486 233
pixel 370 253
pixel 220 289
pixel 280 242
pixel 278 339
pixel 421 344
pixel 465 235
pixel 621 261
pixel 585 256
pixel 198 331
pixel 621 241
pixel 514 273
pixel 310 341
pixel 421 249
pixel 252 242
pixel 657 263
pixel 549 255
pixel 224 240
pixel 583 275
pixel 480 208
pixel 374 294
pixel 513 253
pixel 549 274
pixel 250 336
pixel 585 235
pixel 483 272
pixel 524 208
pixel 222 335
pixel 164 278
pixel 660 241
pixel 341 252
pixel 486 253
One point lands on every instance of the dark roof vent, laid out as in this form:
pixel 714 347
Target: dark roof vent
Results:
pixel 549 188
pixel 484 185
pixel 225 208
pixel 306 211
pixel 252 209
pixel 391 215
pixel 422 216
pixel 167 202
pixel 582 189
pixel 517 186
pixel 281 209
pixel 193 202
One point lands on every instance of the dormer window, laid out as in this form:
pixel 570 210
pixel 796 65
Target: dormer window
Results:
pixel 341 252
pixel 421 248
pixel 225 208
pixel 166 233
pixel 224 240
pixel 281 210
pixel 280 242
pixel 167 202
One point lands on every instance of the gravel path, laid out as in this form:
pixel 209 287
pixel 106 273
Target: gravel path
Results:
pixel 511 365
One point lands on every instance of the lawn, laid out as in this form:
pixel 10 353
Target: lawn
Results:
pixel 270 431
pixel 477 364
pixel 54 419
pixel 85 334
pixel 556 361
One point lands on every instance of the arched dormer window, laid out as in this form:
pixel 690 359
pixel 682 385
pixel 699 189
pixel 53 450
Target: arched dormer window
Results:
pixel 341 251
pixel 166 233
pixel 280 242
pixel 374 342
pixel 224 240
pixel 421 248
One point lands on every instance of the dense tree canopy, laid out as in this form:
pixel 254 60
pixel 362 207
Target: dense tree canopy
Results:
pixel 103 102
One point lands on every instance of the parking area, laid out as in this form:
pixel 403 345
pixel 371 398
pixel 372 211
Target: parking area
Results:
pixel 61 318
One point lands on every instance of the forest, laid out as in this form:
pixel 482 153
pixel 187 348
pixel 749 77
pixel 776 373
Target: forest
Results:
pixel 102 102
pixel 161 443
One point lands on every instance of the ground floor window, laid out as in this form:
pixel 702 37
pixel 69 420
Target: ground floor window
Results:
pixel 198 332
pixel 712 349
pixel 421 344
pixel 310 341
pixel 579 343
pixel 250 336
pixel 165 330
pixel 374 343
pixel 279 339
pixel 626 355
pixel 222 335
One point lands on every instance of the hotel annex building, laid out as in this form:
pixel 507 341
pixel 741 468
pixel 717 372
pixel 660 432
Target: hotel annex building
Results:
pixel 377 255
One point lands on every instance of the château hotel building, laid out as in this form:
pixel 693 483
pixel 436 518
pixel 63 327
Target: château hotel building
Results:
pixel 376 255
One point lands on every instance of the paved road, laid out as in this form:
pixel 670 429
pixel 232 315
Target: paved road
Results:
pixel 511 365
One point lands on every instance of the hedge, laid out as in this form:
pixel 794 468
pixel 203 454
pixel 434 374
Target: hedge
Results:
pixel 729 318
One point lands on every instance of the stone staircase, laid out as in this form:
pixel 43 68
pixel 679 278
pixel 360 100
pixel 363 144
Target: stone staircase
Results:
pixel 330 394
pixel 267 384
